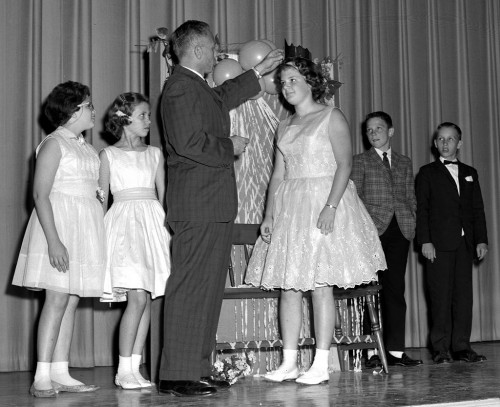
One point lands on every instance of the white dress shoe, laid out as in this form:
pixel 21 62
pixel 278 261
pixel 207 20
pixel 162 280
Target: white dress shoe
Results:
pixel 314 377
pixel 142 381
pixel 127 381
pixel 282 375
pixel 42 393
pixel 78 388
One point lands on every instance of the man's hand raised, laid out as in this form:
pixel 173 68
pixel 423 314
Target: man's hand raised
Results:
pixel 270 62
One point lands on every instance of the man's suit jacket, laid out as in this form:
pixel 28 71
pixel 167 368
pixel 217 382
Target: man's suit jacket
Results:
pixel 382 197
pixel 200 175
pixel 442 212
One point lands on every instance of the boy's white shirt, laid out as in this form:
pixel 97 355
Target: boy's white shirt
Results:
pixel 453 169
pixel 389 154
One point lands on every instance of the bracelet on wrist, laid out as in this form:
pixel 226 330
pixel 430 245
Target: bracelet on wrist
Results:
pixel 331 206
pixel 257 73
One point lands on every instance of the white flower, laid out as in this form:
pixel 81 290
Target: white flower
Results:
pixel 119 113
pixel 251 356
pixel 100 194
pixel 80 139
pixel 240 365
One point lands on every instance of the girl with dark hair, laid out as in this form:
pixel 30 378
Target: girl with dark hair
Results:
pixel 316 232
pixel 138 244
pixel 63 248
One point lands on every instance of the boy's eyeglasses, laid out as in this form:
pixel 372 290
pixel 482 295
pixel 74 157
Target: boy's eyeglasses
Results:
pixel 88 105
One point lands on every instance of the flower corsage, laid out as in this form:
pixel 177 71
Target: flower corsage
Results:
pixel 100 194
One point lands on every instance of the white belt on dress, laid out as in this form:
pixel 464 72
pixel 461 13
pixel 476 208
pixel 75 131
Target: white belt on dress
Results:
pixel 133 194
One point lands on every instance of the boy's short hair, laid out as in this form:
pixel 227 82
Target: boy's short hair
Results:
pixel 448 124
pixel 63 101
pixel 380 115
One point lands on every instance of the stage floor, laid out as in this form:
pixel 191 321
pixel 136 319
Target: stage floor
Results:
pixel 422 385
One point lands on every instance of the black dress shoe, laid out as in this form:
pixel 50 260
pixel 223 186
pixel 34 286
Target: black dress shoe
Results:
pixel 468 355
pixel 217 383
pixel 404 360
pixel 440 357
pixel 373 362
pixel 185 388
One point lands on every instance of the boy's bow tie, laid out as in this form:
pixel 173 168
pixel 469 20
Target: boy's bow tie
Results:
pixel 446 162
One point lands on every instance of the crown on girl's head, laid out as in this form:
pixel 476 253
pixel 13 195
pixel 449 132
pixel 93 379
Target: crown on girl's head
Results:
pixel 296 51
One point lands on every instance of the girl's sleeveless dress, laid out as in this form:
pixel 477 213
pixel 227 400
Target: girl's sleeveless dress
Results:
pixel 78 217
pixel 299 257
pixel 138 242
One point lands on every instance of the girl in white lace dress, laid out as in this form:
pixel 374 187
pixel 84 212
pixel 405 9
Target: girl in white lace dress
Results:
pixel 138 243
pixel 316 232
pixel 63 248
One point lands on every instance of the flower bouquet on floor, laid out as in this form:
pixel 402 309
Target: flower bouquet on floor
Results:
pixel 232 367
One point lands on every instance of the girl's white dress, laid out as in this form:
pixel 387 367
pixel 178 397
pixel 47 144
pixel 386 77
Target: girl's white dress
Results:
pixel 299 257
pixel 138 243
pixel 78 217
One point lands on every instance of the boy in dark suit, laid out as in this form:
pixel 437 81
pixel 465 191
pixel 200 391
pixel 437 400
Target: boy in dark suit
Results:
pixel 384 181
pixel 451 228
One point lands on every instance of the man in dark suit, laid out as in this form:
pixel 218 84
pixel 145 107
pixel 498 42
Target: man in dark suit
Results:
pixel 451 228
pixel 384 181
pixel 201 204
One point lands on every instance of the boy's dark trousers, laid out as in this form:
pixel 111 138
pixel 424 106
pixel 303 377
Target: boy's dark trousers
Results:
pixel 393 303
pixel 449 284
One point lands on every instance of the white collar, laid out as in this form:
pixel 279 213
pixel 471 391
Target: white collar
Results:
pixel 381 153
pixel 192 70
pixel 443 159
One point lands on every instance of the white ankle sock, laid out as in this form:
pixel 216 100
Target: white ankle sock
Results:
pixel 42 376
pixel 289 359
pixel 396 354
pixel 60 374
pixel 321 359
pixel 124 365
pixel 136 363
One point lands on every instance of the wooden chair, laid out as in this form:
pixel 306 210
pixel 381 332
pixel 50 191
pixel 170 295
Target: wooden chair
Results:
pixel 246 234
pixel 347 341
pixel 243 234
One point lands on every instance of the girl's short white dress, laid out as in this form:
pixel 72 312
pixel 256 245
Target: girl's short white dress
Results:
pixel 78 217
pixel 299 257
pixel 138 243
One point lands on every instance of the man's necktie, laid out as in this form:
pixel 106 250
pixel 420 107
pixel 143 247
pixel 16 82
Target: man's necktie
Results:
pixel 446 162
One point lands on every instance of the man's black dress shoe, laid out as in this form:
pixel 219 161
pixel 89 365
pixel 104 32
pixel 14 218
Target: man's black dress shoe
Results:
pixel 217 383
pixel 440 357
pixel 468 355
pixel 185 388
pixel 373 362
pixel 404 360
